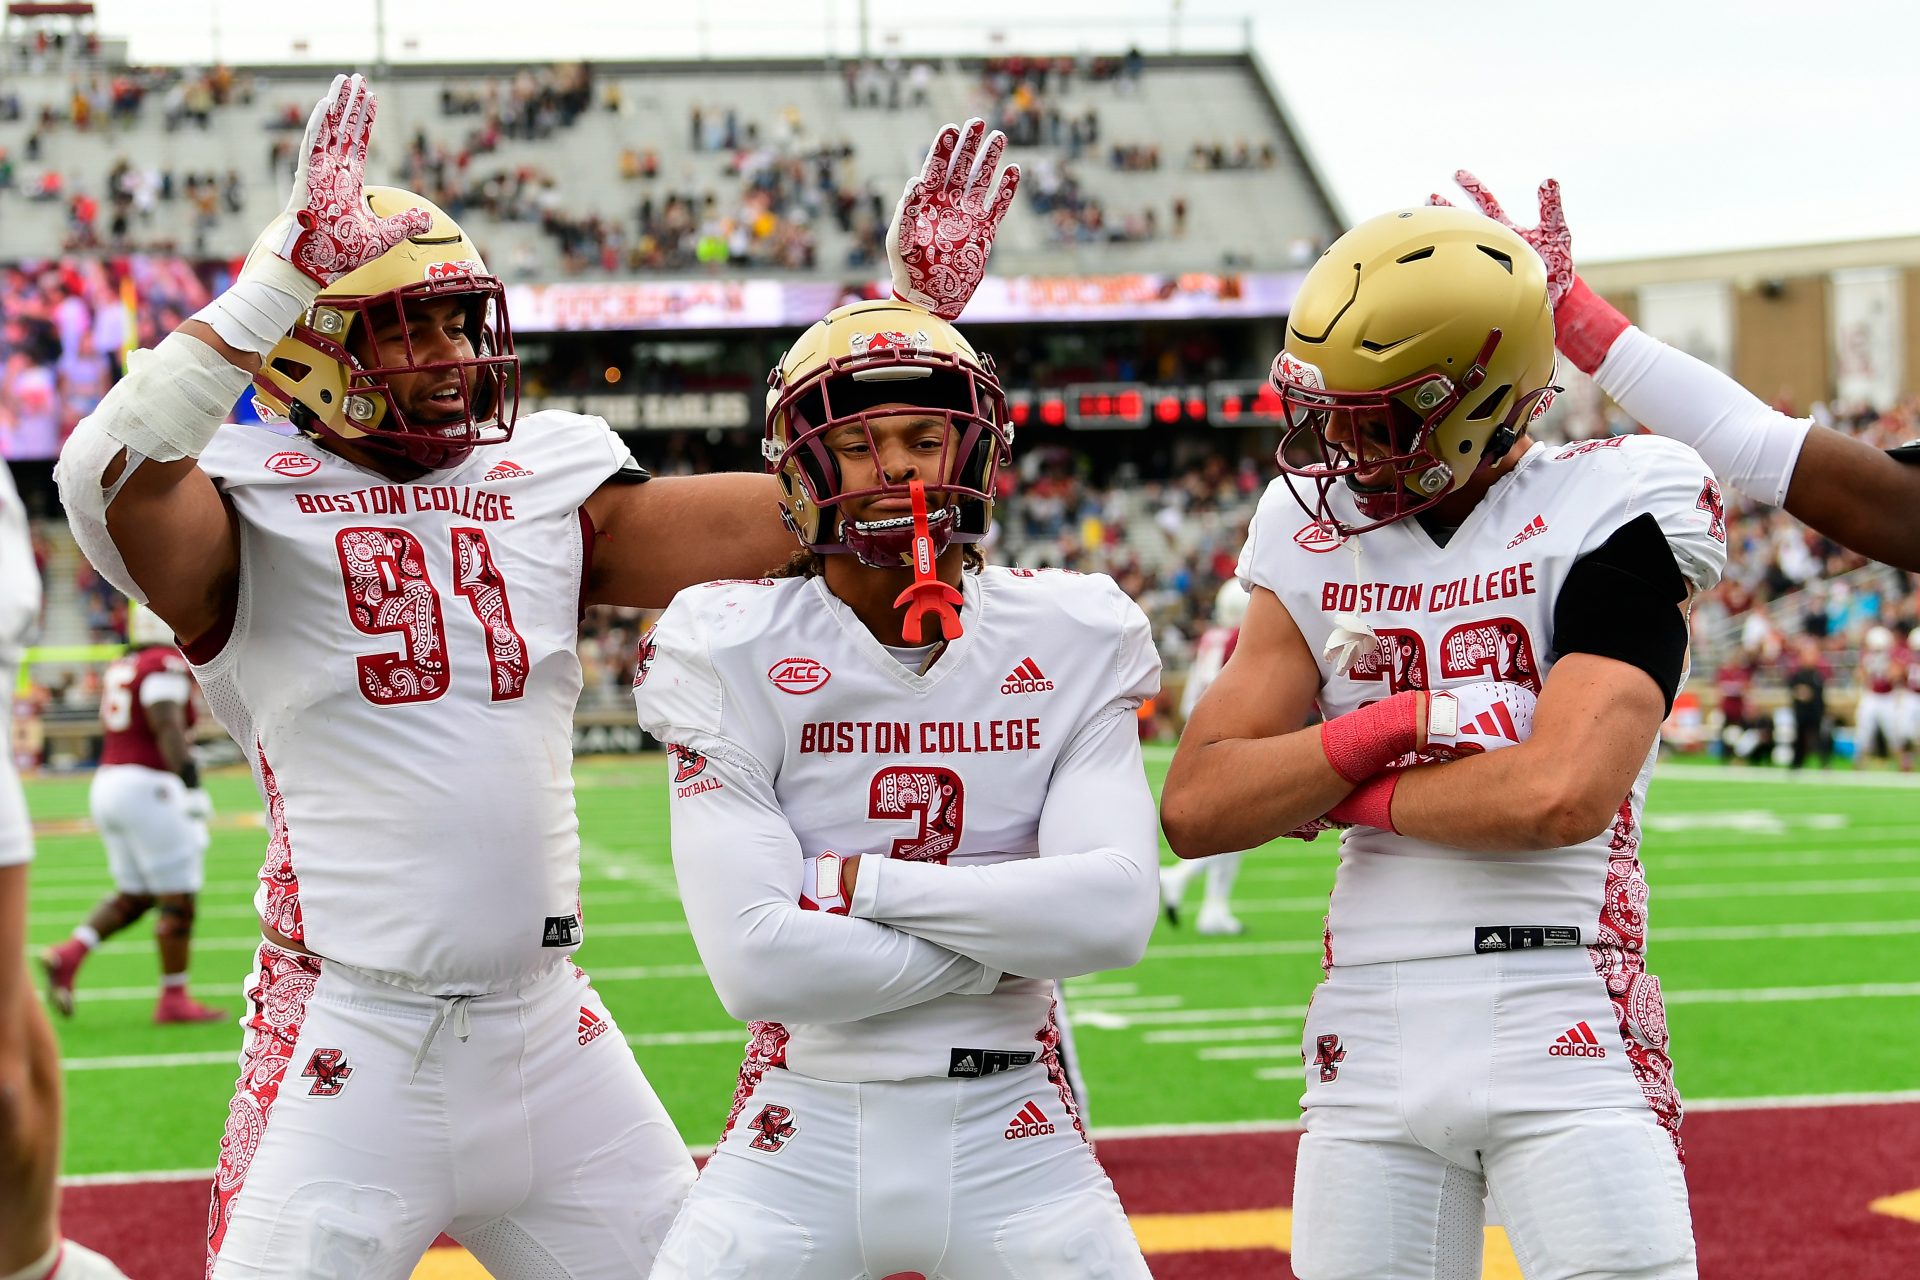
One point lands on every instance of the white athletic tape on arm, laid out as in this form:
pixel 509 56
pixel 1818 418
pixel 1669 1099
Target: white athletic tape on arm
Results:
pixel 168 407
pixel 1750 445
pixel 262 305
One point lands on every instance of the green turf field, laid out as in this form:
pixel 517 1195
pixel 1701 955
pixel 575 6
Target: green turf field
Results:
pixel 1786 930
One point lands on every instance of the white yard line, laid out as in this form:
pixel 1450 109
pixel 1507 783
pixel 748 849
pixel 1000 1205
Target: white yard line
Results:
pixel 1248 1052
pixel 1215 1035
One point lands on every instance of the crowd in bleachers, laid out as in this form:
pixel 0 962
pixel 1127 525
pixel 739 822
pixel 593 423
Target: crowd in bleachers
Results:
pixel 63 328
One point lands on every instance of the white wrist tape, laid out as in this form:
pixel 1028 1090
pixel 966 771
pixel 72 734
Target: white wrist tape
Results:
pixel 261 306
pixel 168 407
pixel 1749 445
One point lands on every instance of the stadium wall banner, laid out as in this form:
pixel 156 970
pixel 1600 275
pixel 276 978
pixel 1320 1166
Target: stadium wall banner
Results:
pixel 662 411
pixel 775 304
pixel 666 304
pixel 1868 335
pixel 1193 295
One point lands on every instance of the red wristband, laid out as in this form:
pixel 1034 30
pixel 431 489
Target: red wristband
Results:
pixel 1361 743
pixel 1585 326
pixel 1370 804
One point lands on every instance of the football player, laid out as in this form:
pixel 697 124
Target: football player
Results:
pixel 1493 631
pixel 1859 496
pixel 30 1243
pixel 383 612
pixel 894 832
pixel 1879 720
pixel 151 813
pixel 1210 654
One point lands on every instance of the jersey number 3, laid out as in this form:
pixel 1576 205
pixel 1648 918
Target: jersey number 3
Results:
pixel 389 594
pixel 929 795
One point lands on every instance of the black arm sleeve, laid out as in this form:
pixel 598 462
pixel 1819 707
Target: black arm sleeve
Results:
pixel 1622 601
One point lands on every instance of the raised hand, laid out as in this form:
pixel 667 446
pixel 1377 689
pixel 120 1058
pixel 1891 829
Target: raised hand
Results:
pixel 1551 239
pixel 944 225
pixel 327 229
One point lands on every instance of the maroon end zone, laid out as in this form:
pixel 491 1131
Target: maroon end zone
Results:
pixel 1778 1194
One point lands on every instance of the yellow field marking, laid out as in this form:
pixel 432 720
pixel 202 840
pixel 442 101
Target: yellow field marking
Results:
pixel 1905 1205
pixel 1195 1232
pixel 449 1264
pixel 1167 1233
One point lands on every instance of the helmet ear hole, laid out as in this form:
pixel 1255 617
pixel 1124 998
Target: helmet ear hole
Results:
pixel 1491 405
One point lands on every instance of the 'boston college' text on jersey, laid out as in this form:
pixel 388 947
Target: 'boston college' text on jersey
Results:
pixel 1481 608
pixel 852 753
pixel 402 673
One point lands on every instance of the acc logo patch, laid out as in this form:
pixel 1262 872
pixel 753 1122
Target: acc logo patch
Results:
pixel 798 675
pixel 1320 536
pixel 293 463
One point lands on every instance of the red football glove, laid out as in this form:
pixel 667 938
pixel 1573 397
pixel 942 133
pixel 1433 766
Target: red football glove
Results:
pixel 1551 239
pixel 327 229
pixel 1584 324
pixel 944 225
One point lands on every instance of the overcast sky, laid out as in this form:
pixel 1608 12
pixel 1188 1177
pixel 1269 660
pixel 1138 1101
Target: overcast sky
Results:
pixel 1673 127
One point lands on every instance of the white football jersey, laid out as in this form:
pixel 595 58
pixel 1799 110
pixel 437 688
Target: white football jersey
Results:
pixel 781 682
pixel 402 675
pixel 1481 608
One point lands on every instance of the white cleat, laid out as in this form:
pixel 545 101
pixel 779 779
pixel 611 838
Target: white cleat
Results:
pixel 1218 922
pixel 1173 882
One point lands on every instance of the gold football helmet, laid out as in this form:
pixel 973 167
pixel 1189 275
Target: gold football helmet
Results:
pixel 1421 341
pixel 869 354
pixel 313 378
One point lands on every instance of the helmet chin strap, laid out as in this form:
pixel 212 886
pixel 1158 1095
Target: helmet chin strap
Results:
pixel 927 594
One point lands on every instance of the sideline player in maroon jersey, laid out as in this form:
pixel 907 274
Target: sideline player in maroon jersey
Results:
pixel 384 612
pixel 1493 631
pixel 151 813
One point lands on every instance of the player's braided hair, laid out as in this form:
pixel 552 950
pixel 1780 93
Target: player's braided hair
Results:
pixel 805 563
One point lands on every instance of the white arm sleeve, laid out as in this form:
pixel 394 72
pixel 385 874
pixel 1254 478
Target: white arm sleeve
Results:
pixel 1087 903
pixel 1749 445
pixel 739 868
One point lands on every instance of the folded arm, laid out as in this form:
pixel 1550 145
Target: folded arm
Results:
pixel 1087 903
pixel 1246 771
pixel 740 868
pixel 1594 724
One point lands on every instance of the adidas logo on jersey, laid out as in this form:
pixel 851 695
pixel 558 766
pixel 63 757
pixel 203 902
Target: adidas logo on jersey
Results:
pixel 1030 1122
pixel 591 1025
pixel 1535 527
pixel 1577 1041
pixel 1491 942
pixel 506 470
pixel 1026 678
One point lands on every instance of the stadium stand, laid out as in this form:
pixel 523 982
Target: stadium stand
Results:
pixel 597 170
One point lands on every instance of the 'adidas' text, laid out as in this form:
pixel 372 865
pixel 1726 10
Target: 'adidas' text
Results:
pixel 1031 1122
pixel 1577 1042
pixel 591 1024
pixel 1026 678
